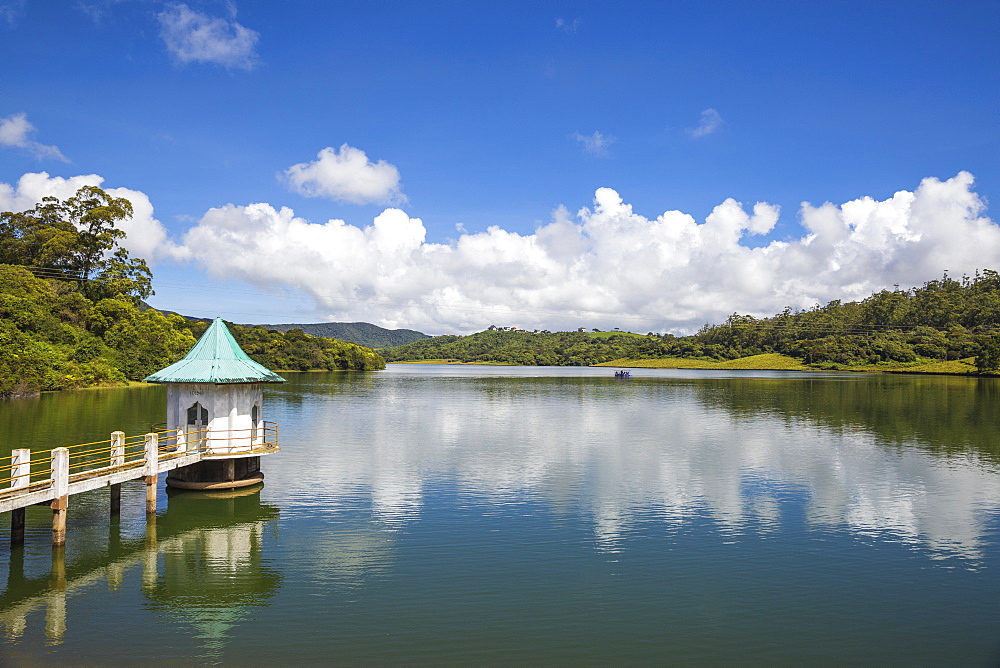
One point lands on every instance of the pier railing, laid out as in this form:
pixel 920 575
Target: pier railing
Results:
pixel 28 476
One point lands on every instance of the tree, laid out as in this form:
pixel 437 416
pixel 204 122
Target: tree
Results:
pixel 886 309
pixel 37 239
pixel 988 359
pixel 77 239
pixel 23 362
pixel 142 342
pixel 122 276
pixel 94 213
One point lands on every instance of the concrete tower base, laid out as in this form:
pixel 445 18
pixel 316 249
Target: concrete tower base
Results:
pixel 217 474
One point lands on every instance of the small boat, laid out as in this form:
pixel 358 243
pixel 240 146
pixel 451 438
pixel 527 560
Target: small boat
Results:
pixel 623 374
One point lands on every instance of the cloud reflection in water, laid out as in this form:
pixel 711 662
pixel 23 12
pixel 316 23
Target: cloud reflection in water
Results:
pixel 676 447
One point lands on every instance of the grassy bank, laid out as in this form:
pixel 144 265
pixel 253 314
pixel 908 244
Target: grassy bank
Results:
pixel 951 367
pixel 776 362
pixel 765 362
pixel 771 361
pixel 450 361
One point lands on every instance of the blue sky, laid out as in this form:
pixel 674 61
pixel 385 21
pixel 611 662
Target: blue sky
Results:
pixel 459 117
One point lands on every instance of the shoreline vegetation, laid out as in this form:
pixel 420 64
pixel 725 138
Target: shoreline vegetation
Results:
pixel 946 326
pixel 73 315
pixel 763 362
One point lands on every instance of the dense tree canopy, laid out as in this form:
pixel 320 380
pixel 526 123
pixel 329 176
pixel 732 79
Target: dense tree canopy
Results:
pixel 76 239
pixel 72 315
pixel 528 348
pixel 944 319
pixel 296 351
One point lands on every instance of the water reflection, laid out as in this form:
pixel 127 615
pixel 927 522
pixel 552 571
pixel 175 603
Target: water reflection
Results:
pixel 908 460
pixel 55 419
pixel 200 561
pixel 212 571
pixel 563 517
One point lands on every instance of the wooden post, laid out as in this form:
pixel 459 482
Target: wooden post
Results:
pixel 152 462
pixel 117 459
pixel 59 505
pixel 21 475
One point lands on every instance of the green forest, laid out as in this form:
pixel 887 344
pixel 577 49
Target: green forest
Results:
pixel 72 312
pixel 362 333
pixel 943 320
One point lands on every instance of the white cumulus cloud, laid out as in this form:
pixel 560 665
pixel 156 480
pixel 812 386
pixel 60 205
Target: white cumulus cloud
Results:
pixel 603 266
pixel 606 265
pixel 193 37
pixel 16 131
pixel 346 176
pixel 710 122
pixel 145 235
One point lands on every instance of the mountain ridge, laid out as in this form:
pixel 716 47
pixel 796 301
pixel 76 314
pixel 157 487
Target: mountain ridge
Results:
pixel 362 333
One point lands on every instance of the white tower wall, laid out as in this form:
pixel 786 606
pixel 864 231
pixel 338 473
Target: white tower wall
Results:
pixel 229 429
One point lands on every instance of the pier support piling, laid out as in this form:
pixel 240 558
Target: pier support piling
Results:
pixel 17 526
pixel 116 499
pixel 20 477
pixel 60 504
pixel 150 481
pixel 152 459
pixel 59 507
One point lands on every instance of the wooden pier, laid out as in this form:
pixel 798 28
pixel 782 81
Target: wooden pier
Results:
pixel 52 476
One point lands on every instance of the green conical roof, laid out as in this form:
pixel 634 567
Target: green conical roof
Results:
pixel 216 358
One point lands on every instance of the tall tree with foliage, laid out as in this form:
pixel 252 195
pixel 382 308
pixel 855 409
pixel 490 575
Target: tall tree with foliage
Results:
pixel 988 359
pixel 77 239
pixel 71 312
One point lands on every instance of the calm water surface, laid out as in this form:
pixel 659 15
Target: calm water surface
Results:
pixel 456 515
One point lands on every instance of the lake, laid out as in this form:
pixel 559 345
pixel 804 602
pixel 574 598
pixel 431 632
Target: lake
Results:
pixel 541 515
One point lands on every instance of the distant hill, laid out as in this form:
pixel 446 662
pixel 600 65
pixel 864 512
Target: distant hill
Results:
pixel 946 326
pixel 362 333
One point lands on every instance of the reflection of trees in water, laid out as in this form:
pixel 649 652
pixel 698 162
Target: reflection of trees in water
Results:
pixel 56 419
pixel 897 457
pixel 312 385
pixel 200 561
pixel 944 415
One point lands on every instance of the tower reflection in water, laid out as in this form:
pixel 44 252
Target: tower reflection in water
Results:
pixel 214 573
pixel 200 564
